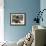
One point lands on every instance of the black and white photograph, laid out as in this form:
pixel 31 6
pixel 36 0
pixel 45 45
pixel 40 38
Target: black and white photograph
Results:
pixel 17 18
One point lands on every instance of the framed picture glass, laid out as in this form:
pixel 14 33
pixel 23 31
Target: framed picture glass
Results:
pixel 17 18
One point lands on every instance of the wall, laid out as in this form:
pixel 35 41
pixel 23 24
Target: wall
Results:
pixel 30 7
pixel 43 6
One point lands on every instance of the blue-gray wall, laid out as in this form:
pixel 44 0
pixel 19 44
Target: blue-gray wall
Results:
pixel 30 7
pixel 43 6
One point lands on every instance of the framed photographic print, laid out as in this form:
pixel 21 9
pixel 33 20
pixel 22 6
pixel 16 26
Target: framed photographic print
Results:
pixel 17 18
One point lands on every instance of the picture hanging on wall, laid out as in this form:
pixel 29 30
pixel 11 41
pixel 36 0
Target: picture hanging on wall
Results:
pixel 17 19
